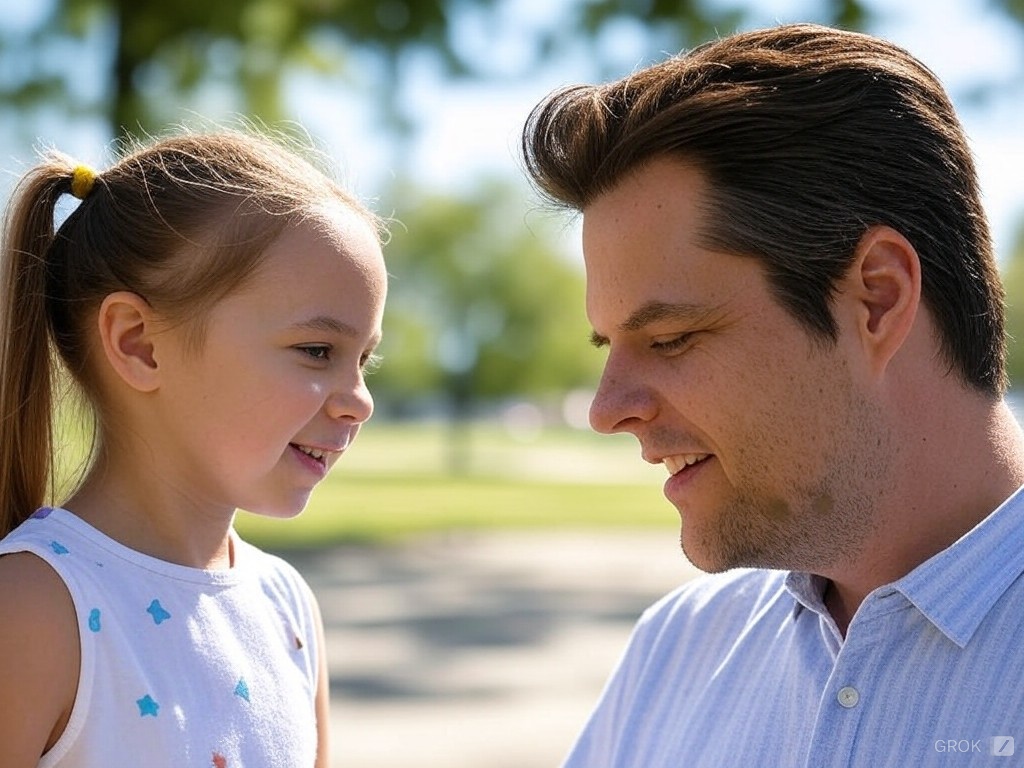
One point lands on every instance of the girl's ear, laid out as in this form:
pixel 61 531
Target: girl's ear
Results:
pixel 126 326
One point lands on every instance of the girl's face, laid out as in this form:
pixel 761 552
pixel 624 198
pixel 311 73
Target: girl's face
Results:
pixel 258 415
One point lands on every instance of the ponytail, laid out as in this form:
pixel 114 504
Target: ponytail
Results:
pixel 28 362
pixel 229 192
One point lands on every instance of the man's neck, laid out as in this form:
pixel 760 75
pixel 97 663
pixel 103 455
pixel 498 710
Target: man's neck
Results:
pixel 952 484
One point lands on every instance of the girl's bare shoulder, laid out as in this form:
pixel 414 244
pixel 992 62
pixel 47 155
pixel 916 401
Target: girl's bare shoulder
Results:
pixel 39 658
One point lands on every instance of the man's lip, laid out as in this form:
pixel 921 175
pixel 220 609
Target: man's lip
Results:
pixel 678 483
pixel 677 462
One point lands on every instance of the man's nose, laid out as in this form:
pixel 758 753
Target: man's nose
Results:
pixel 623 401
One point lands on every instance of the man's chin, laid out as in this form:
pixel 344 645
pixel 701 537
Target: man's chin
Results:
pixel 701 557
pixel 712 558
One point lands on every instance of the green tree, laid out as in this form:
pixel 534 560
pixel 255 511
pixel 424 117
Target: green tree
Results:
pixel 150 55
pixel 156 53
pixel 1013 282
pixel 476 297
pixel 482 307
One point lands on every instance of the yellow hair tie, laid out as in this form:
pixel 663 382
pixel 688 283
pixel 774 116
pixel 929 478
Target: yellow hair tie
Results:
pixel 82 180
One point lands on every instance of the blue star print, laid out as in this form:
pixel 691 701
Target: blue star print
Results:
pixel 157 612
pixel 94 620
pixel 147 706
pixel 242 689
pixel 58 548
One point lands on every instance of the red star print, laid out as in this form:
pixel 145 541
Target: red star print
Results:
pixel 219 761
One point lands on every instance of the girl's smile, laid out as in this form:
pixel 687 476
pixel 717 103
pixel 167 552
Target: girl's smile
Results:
pixel 283 357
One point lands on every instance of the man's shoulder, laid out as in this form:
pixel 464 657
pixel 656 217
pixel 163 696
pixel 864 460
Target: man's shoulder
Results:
pixel 739 586
pixel 697 628
pixel 732 599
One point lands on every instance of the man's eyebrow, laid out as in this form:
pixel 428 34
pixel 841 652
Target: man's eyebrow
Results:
pixel 654 312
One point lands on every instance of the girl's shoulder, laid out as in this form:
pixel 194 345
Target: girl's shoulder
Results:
pixel 280 581
pixel 39 657
pixel 32 593
pixel 271 568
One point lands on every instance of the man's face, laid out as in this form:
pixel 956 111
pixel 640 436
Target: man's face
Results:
pixel 772 451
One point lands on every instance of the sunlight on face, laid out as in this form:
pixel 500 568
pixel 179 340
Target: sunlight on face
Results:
pixel 772 454
pixel 277 392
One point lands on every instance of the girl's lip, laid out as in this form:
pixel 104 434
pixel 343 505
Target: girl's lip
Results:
pixel 318 451
pixel 331 447
pixel 318 466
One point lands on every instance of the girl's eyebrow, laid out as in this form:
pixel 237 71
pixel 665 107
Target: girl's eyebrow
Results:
pixel 326 323
pixel 656 311
pixel 329 324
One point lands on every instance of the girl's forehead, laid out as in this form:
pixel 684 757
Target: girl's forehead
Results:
pixel 324 260
pixel 339 218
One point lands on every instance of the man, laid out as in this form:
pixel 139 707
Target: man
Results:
pixel 791 272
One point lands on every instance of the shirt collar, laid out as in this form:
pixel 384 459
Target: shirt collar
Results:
pixel 808 590
pixel 956 588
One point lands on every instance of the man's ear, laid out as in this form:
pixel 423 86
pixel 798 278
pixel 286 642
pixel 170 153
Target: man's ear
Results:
pixel 884 284
pixel 126 326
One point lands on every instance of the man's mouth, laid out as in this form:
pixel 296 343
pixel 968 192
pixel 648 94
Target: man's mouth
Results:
pixel 677 463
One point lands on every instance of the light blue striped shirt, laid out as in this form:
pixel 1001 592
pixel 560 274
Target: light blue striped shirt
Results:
pixel 748 669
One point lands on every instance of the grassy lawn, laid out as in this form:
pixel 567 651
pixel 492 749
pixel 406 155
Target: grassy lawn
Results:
pixel 396 482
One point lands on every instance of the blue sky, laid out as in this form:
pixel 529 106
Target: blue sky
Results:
pixel 471 129
pixel 477 128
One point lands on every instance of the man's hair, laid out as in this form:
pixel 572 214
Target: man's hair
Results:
pixel 807 136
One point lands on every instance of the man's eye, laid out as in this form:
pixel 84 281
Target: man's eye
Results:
pixel 672 345
pixel 316 351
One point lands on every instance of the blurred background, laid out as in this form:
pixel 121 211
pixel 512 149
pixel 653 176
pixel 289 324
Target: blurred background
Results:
pixel 480 556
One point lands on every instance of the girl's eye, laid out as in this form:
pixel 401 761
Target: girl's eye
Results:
pixel 316 351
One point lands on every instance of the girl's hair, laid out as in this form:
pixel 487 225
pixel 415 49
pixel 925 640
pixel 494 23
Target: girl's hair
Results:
pixel 181 222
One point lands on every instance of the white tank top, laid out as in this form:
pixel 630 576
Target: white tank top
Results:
pixel 181 668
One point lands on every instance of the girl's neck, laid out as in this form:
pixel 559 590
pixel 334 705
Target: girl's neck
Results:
pixel 166 528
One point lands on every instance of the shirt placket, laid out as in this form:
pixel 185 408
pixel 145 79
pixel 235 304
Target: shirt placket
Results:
pixel 850 688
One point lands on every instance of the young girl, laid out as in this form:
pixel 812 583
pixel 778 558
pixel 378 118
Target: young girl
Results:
pixel 215 298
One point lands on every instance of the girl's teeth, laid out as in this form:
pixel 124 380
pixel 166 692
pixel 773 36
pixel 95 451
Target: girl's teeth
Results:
pixel 315 453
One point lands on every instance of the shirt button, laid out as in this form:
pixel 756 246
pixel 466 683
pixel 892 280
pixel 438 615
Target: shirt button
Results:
pixel 848 697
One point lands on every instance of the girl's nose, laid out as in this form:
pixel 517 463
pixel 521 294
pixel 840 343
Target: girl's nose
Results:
pixel 353 403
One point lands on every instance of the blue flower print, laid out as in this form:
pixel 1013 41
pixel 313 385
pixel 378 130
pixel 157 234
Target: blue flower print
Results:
pixel 147 706
pixel 242 689
pixel 157 612
pixel 58 548
pixel 94 620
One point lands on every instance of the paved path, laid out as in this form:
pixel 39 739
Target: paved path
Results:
pixel 479 650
